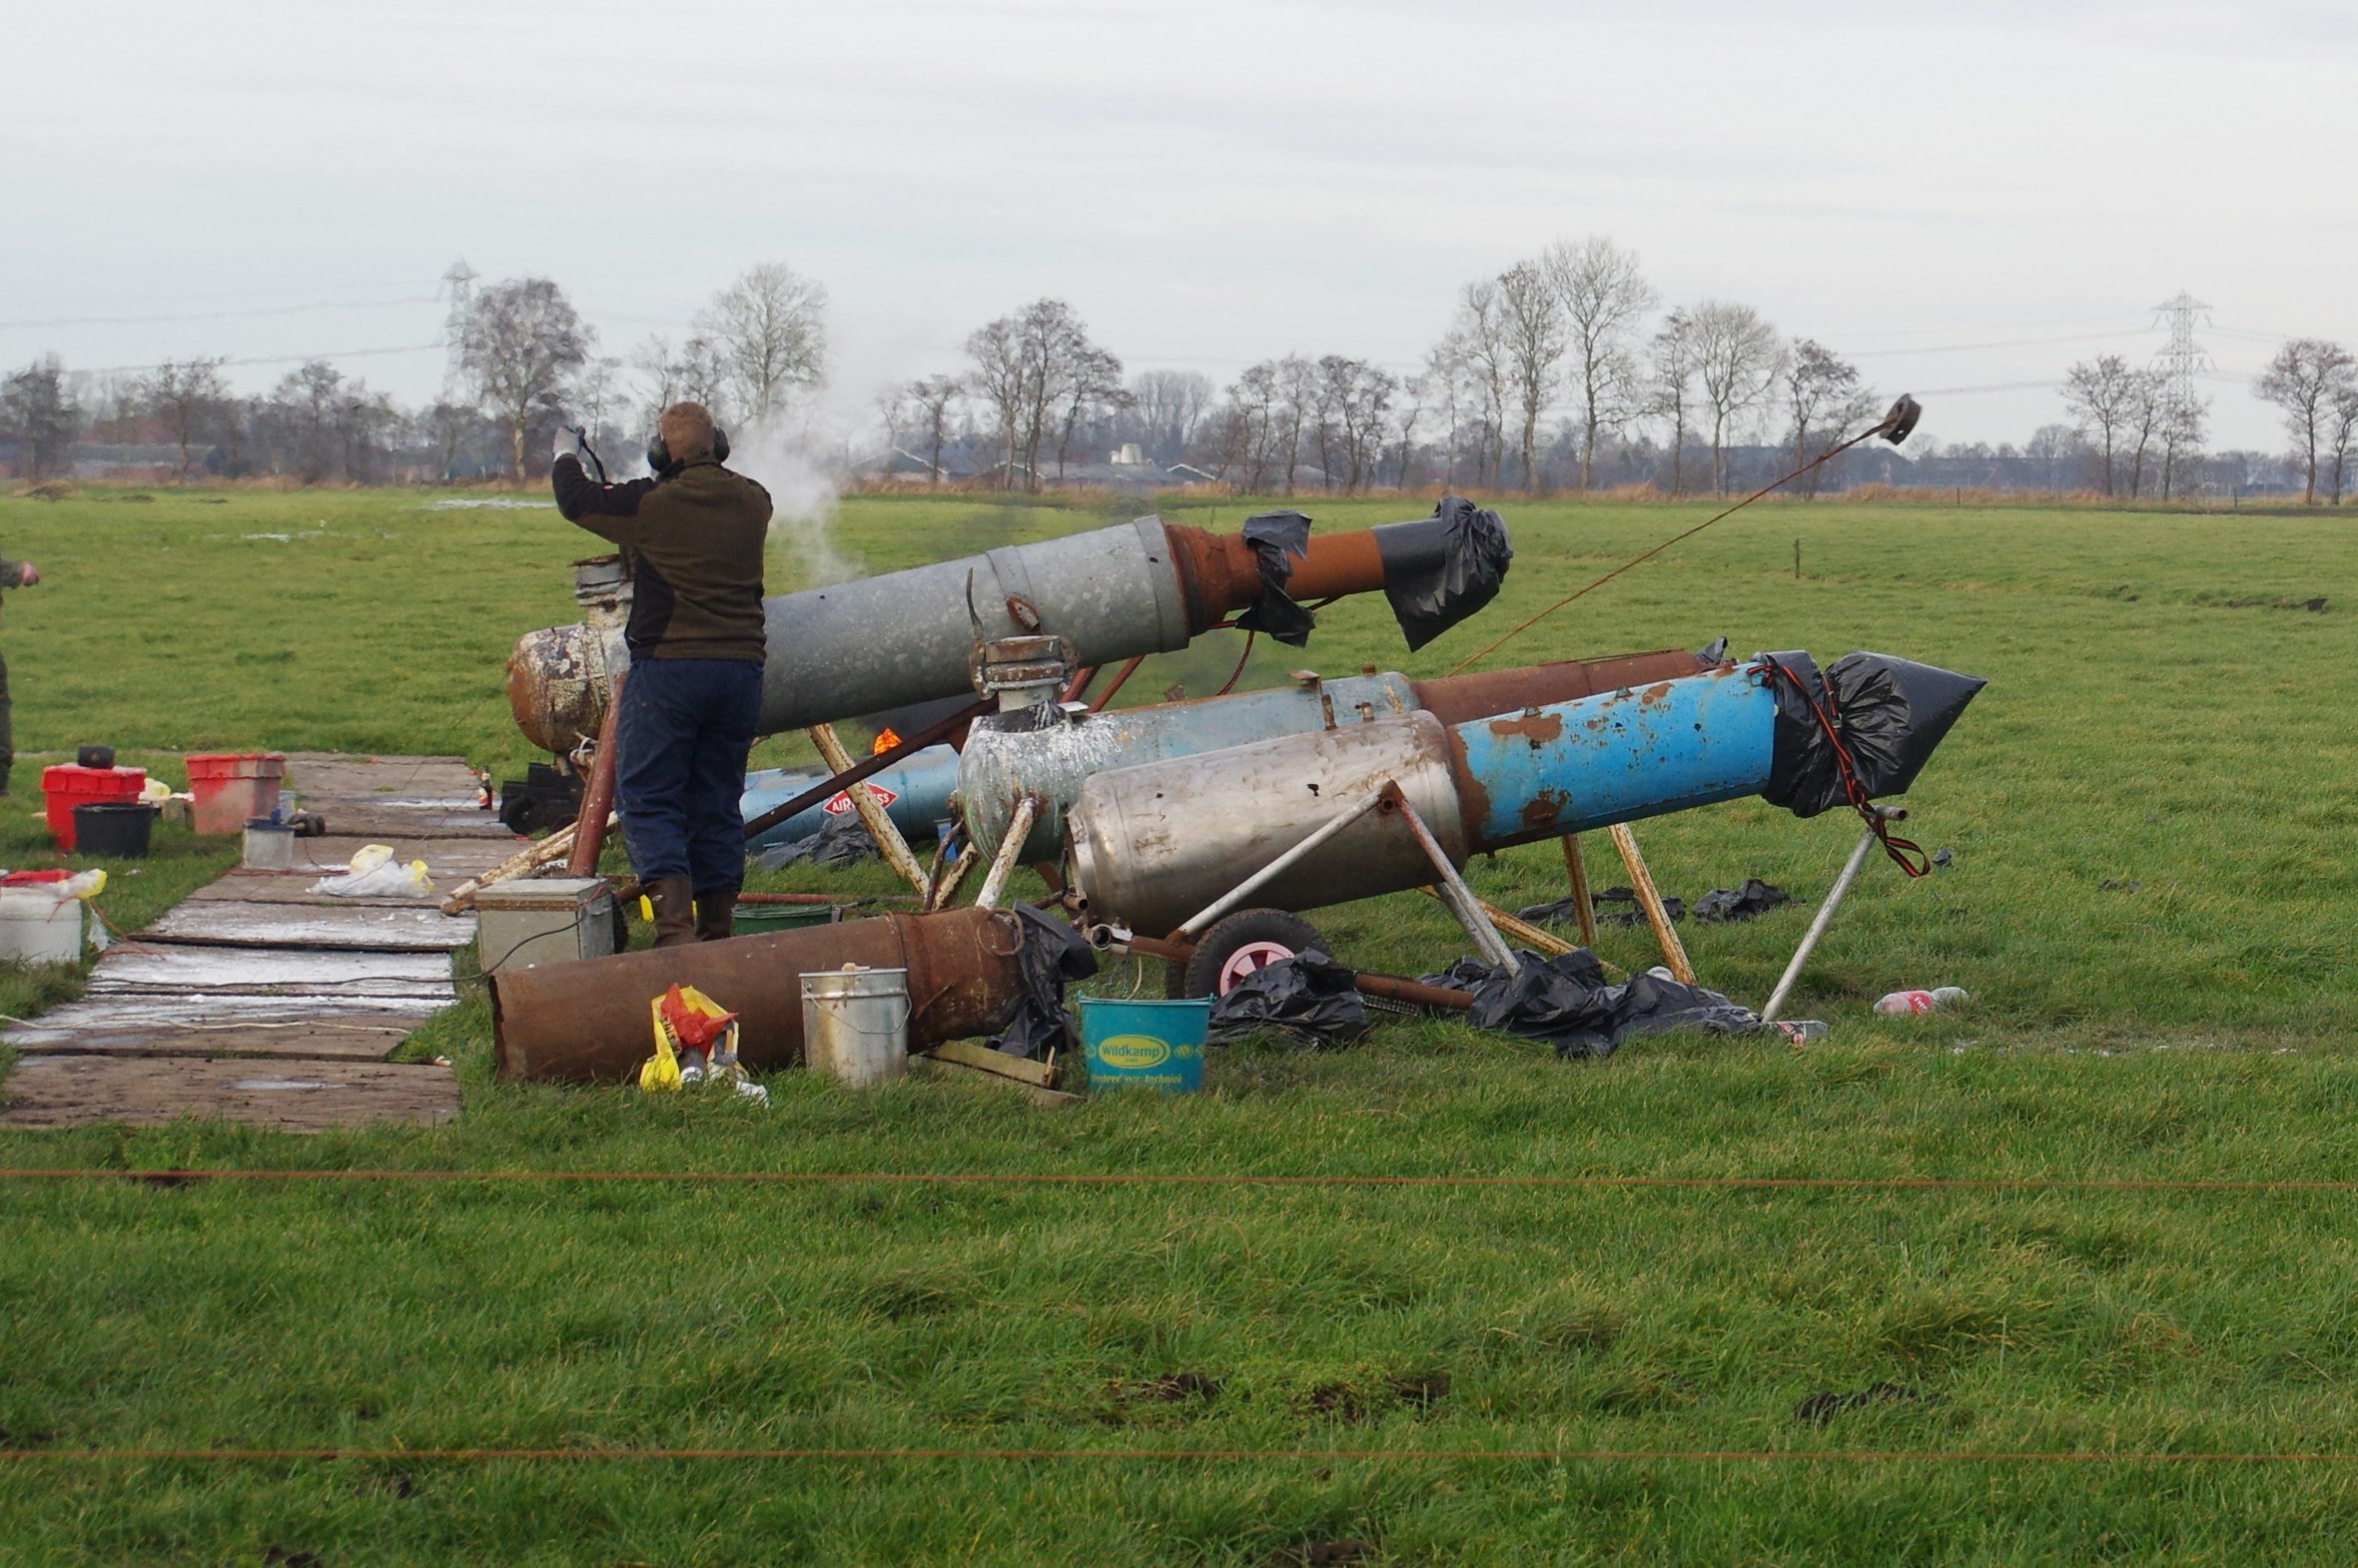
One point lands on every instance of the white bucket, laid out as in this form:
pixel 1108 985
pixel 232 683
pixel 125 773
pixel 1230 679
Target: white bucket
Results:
pixel 855 1025
pixel 270 846
pixel 38 927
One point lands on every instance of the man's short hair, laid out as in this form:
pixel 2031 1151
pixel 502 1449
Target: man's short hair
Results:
pixel 686 428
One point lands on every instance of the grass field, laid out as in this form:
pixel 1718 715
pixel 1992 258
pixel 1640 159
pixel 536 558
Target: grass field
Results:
pixel 2160 718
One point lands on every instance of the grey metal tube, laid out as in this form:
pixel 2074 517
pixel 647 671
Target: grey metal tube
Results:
pixel 882 642
pixel 1151 844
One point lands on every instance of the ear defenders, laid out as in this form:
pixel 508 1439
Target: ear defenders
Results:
pixel 659 455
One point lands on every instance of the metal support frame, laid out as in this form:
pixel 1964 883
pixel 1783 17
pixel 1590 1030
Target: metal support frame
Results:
pixel 1824 917
pixel 1262 878
pixel 1010 849
pixel 1454 890
pixel 871 813
pixel 1641 881
pixel 1584 906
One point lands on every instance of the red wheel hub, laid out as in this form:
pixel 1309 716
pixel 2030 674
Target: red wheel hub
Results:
pixel 1247 959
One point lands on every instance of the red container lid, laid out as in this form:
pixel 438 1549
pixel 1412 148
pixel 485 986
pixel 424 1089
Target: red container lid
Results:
pixel 70 779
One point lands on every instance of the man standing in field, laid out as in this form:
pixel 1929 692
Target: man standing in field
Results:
pixel 691 537
pixel 13 574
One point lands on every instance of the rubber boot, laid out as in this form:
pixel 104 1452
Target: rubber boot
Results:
pixel 716 916
pixel 675 911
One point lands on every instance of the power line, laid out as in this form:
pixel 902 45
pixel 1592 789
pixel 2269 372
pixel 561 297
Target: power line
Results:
pixel 276 358
pixel 216 315
pixel 2009 343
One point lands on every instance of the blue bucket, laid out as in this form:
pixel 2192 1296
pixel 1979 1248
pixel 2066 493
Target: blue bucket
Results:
pixel 1144 1045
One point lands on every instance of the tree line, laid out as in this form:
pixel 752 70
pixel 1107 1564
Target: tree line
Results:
pixel 1564 371
pixel 526 365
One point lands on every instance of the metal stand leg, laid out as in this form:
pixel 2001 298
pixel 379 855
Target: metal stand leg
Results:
pixel 1010 851
pixel 1833 900
pixel 1454 892
pixel 872 814
pixel 1673 952
pixel 1584 908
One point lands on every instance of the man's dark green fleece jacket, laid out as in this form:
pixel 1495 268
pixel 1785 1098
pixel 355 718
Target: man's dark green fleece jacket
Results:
pixel 693 542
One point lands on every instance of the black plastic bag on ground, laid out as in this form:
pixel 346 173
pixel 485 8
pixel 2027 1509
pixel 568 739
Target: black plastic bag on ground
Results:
pixel 1052 954
pixel 1613 907
pixel 1276 536
pixel 1726 906
pixel 1889 712
pixel 1309 999
pixel 841 841
pixel 1565 1001
pixel 1436 576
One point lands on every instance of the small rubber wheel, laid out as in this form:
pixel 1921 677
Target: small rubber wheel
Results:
pixel 1234 947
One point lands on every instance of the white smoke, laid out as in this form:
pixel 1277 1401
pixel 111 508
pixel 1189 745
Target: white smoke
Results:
pixel 783 455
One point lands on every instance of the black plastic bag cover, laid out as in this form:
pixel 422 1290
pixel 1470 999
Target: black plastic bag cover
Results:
pixel 1438 570
pixel 1309 999
pixel 1726 906
pixel 840 841
pixel 1891 713
pixel 1565 1001
pixel 1052 954
pixel 1275 535
pixel 1613 907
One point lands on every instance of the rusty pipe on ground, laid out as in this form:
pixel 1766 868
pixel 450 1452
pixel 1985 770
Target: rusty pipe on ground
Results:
pixel 588 1021
pixel 1113 593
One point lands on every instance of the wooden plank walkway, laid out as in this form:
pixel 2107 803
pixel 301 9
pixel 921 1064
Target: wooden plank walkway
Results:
pixel 260 1002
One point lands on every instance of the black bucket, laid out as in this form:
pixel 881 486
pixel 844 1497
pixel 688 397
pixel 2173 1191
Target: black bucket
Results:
pixel 113 829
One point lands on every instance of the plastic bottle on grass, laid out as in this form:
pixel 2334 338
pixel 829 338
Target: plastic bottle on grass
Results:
pixel 1902 1004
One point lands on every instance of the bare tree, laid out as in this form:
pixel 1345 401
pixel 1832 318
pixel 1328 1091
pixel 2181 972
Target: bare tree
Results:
pixel 1536 337
pixel 1033 367
pixel 931 402
pixel 769 330
pixel 1094 388
pixel 1604 298
pixel 1824 397
pixel 2146 417
pixel 1449 379
pixel 694 372
pixel 2341 434
pixel 185 396
pixel 1354 398
pixel 37 404
pixel 523 338
pixel 2304 380
pixel 1737 356
pixel 1297 404
pixel 1253 427
pixel 2181 442
pixel 1480 335
pixel 1000 380
pixel 1169 405
pixel 2098 392
pixel 1672 391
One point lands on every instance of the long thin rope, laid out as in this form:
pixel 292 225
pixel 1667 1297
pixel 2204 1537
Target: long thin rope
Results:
pixel 1828 455
pixel 2093 1456
pixel 1130 1179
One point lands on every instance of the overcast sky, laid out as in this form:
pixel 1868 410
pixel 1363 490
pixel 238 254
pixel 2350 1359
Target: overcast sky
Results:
pixel 1964 196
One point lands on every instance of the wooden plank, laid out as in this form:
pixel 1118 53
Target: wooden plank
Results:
pixel 136 1017
pixel 295 887
pixel 291 1097
pixel 192 973
pixel 381 929
pixel 447 859
pixel 329 776
pixel 958 1072
pixel 167 1029
pixel 381 823
pixel 968 1053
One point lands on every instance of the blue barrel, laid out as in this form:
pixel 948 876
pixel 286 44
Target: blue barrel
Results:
pixel 1144 1045
pixel 919 784
pixel 1617 757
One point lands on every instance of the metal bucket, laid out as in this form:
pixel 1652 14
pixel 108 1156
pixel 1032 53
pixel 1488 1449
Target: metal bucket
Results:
pixel 270 846
pixel 855 1025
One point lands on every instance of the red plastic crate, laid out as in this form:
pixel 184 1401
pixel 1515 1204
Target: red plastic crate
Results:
pixel 64 788
pixel 231 788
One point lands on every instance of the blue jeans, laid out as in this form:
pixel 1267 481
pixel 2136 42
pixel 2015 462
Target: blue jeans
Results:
pixel 686 728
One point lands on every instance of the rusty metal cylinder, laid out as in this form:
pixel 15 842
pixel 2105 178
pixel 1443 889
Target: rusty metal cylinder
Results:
pixel 1150 846
pixel 588 1021
pixel 1455 699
